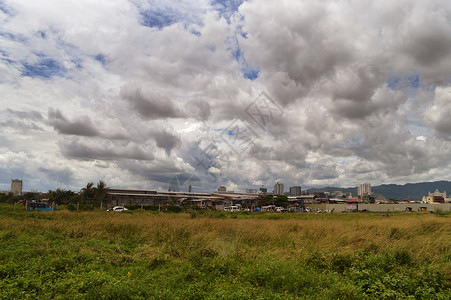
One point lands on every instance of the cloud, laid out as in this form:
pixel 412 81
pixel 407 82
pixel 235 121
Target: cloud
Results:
pixel 136 92
pixel 150 105
pixel 106 150
pixel 32 115
pixel 166 140
pixel 438 114
pixel 82 126
pixel 20 125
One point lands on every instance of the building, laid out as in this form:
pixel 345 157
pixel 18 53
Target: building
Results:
pixel 16 186
pixel 295 191
pixel 251 191
pixel 364 189
pixel 222 189
pixel 264 190
pixel 436 197
pixel 278 188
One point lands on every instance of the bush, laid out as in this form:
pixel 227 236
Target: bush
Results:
pixel 172 209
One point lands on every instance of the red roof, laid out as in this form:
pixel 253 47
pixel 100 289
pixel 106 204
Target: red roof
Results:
pixel 352 201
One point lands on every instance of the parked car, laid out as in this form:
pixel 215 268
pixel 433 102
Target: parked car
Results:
pixel 117 208
pixel 232 208
pixel 279 209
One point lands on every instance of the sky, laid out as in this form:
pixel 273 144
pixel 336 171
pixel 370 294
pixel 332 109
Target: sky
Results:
pixel 164 94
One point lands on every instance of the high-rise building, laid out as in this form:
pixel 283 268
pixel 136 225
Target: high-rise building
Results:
pixel 222 189
pixel 295 191
pixel 278 188
pixel 251 191
pixel 16 186
pixel 364 189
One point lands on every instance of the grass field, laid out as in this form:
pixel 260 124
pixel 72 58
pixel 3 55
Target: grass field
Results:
pixel 210 255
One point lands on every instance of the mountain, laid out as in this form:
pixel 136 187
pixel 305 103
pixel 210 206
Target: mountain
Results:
pixel 411 191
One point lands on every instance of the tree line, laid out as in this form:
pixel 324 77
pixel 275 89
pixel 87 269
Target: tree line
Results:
pixel 92 195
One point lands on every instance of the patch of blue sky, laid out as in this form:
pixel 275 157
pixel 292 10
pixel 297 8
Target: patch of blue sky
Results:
pixel 411 81
pixel 235 49
pixel 5 9
pixel 250 73
pixel 393 82
pixel 195 32
pixel 163 16
pixel 45 68
pixel 12 37
pixel 4 57
pixel 101 58
pixel 160 17
pixel 239 30
pixel 42 34
pixel 226 8
pixel 212 48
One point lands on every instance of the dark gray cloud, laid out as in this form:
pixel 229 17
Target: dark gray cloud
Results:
pixel 94 150
pixel 159 173
pixel 82 126
pixel 166 140
pixel 149 105
pixel 198 109
pixel 429 43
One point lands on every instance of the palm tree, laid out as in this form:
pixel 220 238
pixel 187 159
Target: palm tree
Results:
pixel 100 192
pixel 87 192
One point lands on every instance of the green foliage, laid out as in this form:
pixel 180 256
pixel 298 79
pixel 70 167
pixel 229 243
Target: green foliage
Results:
pixel 281 200
pixel 29 196
pixel 60 196
pixel 267 200
pixel 9 198
pixel 143 255
pixel 442 213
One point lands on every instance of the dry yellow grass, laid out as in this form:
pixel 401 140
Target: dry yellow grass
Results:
pixel 217 255
pixel 422 235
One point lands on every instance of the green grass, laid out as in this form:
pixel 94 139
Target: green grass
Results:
pixel 212 255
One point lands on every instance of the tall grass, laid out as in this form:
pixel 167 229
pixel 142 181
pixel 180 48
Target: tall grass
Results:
pixel 231 256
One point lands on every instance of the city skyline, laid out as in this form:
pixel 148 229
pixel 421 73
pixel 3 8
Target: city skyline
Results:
pixel 244 94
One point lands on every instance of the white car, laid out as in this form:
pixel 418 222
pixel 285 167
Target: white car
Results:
pixel 117 208
pixel 232 208
pixel 279 209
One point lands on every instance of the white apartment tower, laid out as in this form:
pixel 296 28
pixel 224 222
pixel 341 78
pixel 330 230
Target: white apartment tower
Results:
pixel 278 188
pixel 16 186
pixel 364 189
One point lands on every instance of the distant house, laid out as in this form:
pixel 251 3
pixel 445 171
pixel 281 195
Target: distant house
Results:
pixel 436 197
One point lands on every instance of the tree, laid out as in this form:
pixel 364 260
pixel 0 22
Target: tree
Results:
pixel 29 196
pixel 268 200
pixel 100 192
pixel 9 198
pixel 87 193
pixel 281 200
pixel 60 196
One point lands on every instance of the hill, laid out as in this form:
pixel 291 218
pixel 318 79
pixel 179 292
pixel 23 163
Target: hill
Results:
pixel 411 191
